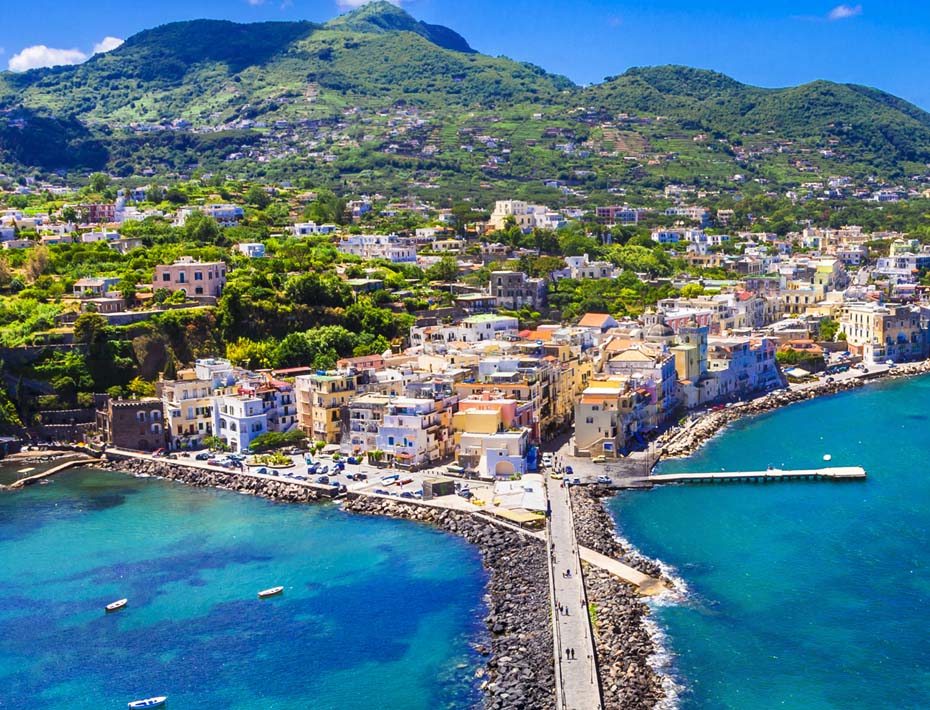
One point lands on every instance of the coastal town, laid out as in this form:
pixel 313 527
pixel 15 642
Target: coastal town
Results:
pixel 487 373
pixel 345 365
pixel 490 408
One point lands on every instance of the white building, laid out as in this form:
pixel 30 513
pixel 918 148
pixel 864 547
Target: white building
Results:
pixel 238 420
pixel 309 229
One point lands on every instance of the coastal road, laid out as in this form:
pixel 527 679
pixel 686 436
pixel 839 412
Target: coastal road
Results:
pixel 576 675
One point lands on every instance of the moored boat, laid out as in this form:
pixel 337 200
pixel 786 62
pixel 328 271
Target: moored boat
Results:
pixel 155 702
pixel 265 593
pixel 117 605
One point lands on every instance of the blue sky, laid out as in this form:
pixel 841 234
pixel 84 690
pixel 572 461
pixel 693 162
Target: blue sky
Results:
pixel 770 43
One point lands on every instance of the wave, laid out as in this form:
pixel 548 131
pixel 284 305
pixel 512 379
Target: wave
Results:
pixel 662 659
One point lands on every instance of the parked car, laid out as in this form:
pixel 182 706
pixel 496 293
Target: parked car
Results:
pixel 352 460
pixel 203 456
pixel 361 476
pixel 599 459
pixel 556 475
pixel 263 471
pixel 604 479
pixel 455 468
pixel 322 479
pixel 160 452
pixel 465 493
pixel 575 481
pixel 407 494
pixel 569 470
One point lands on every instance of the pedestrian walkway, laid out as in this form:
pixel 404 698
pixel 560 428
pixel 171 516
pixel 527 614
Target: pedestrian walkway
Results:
pixel 577 686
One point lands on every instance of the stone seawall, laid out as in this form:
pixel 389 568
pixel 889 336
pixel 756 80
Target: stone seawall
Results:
pixel 623 641
pixel 684 442
pixel 192 476
pixel 520 673
pixel 678 443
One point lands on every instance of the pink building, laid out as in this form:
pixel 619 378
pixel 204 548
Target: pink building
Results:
pixel 195 278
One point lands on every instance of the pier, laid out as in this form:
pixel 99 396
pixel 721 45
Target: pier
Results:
pixel 35 478
pixel 576 677
pixel 846 473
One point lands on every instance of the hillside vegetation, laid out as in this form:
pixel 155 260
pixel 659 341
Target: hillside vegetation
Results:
pixel 251 84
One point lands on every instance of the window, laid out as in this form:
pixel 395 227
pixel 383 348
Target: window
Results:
pixel 166 276
pixel 181 278
pixel 589 420
pixel 198 276
pixel 140 416
pixel 199 290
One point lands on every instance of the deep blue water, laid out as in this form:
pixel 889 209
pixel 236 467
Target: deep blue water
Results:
pixel 802 595
pixel 376 613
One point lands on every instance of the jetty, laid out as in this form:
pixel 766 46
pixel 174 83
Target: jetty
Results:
pixel 35 478
pixel 842 473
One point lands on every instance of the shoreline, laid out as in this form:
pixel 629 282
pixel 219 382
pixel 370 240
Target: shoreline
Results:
pixel 519 672
pixel 631 653
pixel 603 531
pixel 683 442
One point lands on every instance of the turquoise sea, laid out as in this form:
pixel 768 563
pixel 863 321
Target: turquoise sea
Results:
pixel 376 613
pixel 802 595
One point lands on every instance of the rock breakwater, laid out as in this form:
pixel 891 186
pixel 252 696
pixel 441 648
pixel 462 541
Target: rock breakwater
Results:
pixel 193 476
pixel 520 672
pixel 596 529
pixel 684 441
pixel 623 640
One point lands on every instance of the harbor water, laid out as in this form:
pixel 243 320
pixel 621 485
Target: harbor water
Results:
pixel 375 612
pixel 807 595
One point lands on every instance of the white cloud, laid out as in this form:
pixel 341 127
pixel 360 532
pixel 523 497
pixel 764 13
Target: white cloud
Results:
pixel 107 44
pixel 41 56
pixel 844 12
pixel 255 3
pixel 352 4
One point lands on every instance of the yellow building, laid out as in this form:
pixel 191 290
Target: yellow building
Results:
pixel 188 403
pixel 320 401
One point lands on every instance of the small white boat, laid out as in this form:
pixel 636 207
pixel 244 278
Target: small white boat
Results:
pixel 156 702
pixel 117 605
pixel 265 593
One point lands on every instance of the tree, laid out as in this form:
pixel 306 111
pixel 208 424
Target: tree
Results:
pixel 91 329
pixel 36 263
pixel 69 214
pixel 257 197
pixel 215 443
pixel 276 440
pixel 446 269
pixel 99 182
pixel 175 195
pixel 827 330
pixel 141 388
pixel 6 273
pixel 692 290
pixel 326 209
pixel 202 229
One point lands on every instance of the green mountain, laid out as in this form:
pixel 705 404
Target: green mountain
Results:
pixel 287 94
pixel 821 110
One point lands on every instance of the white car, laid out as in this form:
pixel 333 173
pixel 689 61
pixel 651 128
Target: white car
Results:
pixel 548 459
